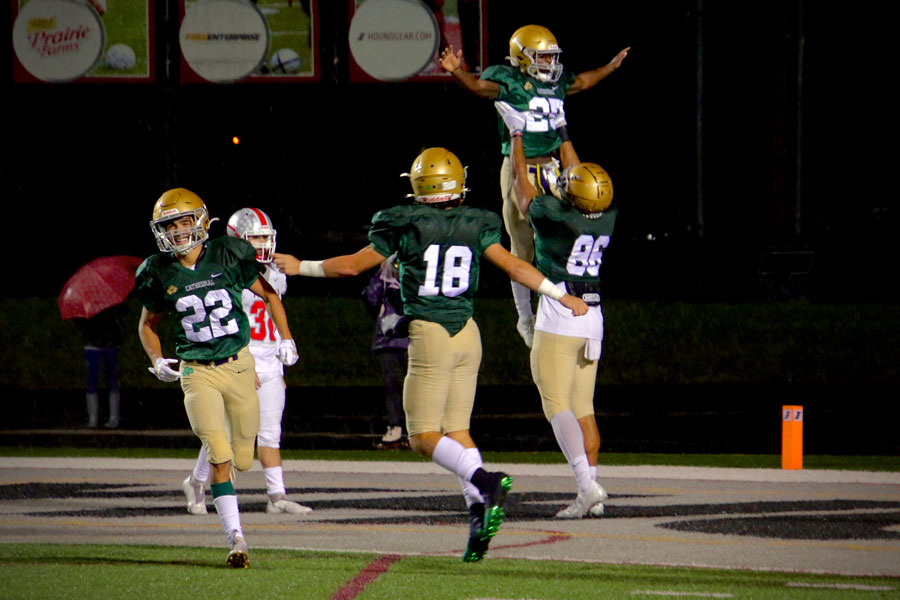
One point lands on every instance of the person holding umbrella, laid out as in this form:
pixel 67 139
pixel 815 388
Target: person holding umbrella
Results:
pixel 102 335
pixel 198 283
pixel 93 299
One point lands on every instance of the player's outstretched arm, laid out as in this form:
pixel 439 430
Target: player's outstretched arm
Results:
pixel 452 63
pixel 588 79
pixel 522 272
pixel 525 190
pixel 287 349
pixel 264 290
pixel 348 265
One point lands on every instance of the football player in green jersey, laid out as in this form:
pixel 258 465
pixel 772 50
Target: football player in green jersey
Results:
pixel 439 243
pixel 536 83
pixel 570 237
pixel 198 283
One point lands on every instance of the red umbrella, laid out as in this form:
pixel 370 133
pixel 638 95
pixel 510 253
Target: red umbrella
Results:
pixel 98 285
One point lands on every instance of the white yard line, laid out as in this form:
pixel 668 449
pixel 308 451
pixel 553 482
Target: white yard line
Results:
pixel 515 469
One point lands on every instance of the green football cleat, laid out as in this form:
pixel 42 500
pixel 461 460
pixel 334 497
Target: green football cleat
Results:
pixel 478 545
pixel 493 505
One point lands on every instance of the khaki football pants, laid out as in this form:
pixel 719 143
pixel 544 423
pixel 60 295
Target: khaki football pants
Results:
pixel 439 389
pixel 564 377
pixel 520 234
pixel 223 408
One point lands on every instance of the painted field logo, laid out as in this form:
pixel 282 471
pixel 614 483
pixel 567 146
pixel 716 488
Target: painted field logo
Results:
pixel 57 40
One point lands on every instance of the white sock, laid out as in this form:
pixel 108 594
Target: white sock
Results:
pixel 522 299
pixel 229 515
pixel 571 441
pixel 451 455
pixel 470 492
pixel 201 468
pixel 593 470
pixel 274 481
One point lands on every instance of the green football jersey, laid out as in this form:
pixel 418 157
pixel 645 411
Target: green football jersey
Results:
pixel 439 252
pixel 569 246
pixel 539 99
pixel 209 319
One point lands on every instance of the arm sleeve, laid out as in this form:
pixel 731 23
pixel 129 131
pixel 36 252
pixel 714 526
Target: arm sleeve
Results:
pixel 497 74
pixel 145 287
pixel 490 232
pixel 247 268
pixel 384 233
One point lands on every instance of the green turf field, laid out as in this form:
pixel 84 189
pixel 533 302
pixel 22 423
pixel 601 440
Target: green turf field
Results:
pixel 147 572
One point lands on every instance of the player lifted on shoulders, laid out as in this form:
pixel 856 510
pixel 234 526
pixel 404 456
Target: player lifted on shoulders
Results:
pixel 198 283
pixel 255 226
pixel 535 84
pixel 439 243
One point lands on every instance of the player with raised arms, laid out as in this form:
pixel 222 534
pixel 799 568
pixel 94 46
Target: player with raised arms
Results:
pixel 536 84
pixel 439 242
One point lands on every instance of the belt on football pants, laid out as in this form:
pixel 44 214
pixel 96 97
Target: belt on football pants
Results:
pixel 214 363
pixel 544 184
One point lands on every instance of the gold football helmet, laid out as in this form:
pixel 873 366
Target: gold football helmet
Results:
pixel 533 49
pixel 437 176
pixel 175 204
pixel 587 187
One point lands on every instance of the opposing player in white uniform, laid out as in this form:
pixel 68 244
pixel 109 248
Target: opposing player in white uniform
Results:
pixel 256 227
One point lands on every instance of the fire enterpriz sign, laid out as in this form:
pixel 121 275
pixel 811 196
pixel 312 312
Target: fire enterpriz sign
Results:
pixel 393 40
pixel 223 40
pixel 57 40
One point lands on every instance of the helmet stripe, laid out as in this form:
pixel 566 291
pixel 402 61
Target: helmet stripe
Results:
pixel 261 216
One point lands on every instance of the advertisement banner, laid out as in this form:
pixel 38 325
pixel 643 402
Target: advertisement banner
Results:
pixel 230 41
pixel 60 41
pixel 401 40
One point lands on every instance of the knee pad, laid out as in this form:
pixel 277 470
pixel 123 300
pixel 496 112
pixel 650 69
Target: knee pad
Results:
pixel 243 456
pixel 552 408
pixel 269 435
pixel 219 448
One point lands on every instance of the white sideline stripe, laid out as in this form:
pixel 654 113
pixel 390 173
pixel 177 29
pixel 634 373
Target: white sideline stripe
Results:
pixel 840 586
pixel 514 469
pixel 673 593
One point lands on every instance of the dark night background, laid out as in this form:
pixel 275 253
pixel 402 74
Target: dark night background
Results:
pixel 790 156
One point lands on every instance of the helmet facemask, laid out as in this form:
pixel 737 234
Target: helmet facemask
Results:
pixel 181 241
pixel 265 248
pixel 543 65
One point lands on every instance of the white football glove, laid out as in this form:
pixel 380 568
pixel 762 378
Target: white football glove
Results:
pixel 514 120
pixel 287 352
pixel 560 119
pixel 163 371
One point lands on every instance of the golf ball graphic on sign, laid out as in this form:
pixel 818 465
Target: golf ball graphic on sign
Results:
pixel 120 57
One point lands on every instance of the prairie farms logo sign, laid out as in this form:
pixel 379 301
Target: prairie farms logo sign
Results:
pixel 223 40
pixel 392 40
pixel 57 40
